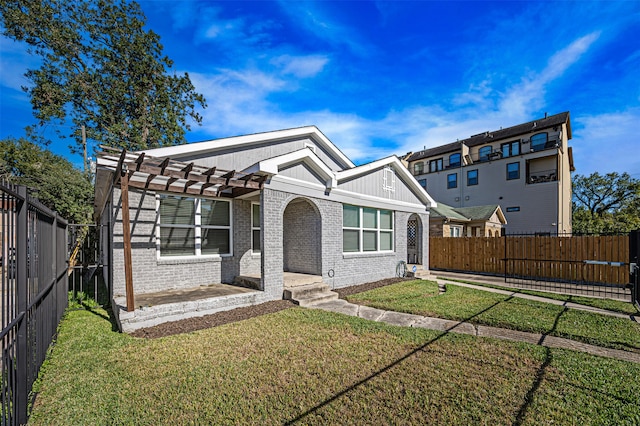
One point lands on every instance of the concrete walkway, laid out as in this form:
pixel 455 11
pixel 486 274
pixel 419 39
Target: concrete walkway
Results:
pixel 446 326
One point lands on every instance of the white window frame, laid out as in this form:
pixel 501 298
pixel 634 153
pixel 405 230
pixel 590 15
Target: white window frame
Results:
pixel 361 230
pixel 455 229
pixel 255 227
pixel 389 180
pixel 198 228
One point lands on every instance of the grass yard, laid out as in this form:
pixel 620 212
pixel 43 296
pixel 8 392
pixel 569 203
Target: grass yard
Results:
pixel 303 366
pixel 481 307
pixel 609 304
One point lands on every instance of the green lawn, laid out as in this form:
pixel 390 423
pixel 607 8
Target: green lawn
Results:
pixel 482 307
pixel 609 304
pixel 312 367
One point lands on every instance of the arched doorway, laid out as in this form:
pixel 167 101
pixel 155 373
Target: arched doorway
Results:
pixel 302 238
pixel 414 240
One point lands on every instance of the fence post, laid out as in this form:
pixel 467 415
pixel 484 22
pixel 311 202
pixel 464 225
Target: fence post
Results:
pixel 634 258
pixel 22 267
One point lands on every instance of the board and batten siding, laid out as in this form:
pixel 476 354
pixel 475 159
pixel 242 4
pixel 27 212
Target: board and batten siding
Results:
pixel 373 184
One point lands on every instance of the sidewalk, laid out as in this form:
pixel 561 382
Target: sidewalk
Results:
pixel 446 326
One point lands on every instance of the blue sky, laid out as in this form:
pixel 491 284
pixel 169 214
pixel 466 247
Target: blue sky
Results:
pixel 382 78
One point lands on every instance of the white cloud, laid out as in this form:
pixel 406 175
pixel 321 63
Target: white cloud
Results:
pixel 301 66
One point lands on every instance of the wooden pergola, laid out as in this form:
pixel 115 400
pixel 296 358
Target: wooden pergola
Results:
pixel 138 170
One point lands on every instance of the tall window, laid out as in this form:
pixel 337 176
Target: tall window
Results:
pixel 365 229
pixel 255 228
pixel 484 152
pixel 452 180
pixel 418 168
pixel 435 165
pixel 194 226
pixel 538 141
pixel 510 149
pixel 454 160
pixel 472 177
pixel 513 171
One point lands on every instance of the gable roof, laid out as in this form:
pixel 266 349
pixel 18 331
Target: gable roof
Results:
pixel 468 214
pixel 211 146
pixel 497 135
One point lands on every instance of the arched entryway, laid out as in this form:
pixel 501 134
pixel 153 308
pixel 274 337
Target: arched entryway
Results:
pixel 302 238
pixel 414 240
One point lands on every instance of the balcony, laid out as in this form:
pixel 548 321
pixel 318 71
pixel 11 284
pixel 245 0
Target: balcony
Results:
pixel 542 176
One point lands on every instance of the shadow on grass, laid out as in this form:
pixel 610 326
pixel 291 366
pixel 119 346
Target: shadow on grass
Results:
pixel 539 377
pixel 390 366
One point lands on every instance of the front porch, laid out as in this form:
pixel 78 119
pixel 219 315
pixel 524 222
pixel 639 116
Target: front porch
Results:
pixel 176 304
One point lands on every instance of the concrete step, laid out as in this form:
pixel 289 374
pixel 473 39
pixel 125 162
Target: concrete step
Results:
pixel 307 295
pixel 420 273
pixel 247 281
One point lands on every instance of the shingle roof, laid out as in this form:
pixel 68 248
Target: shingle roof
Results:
pixel 465 214
pixel 496 135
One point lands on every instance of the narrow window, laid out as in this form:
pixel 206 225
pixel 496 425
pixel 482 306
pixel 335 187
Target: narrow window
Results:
pixel 513 171
pixel 255 228
pixel 452 181
pixel 472 177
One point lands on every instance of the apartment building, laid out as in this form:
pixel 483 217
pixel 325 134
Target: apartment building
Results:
pixel 525 169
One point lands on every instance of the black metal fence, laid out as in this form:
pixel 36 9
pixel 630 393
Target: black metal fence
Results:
pixel 86 280
pixel 634 265
pixel 590 265
pixel 33 295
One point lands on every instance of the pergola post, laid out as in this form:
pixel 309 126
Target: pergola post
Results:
pixel 126 236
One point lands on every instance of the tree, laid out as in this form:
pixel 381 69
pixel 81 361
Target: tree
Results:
pixel 52 179
pixel 101 70
pixel 606 203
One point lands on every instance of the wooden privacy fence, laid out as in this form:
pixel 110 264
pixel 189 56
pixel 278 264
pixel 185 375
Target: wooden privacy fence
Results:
pixel 581 259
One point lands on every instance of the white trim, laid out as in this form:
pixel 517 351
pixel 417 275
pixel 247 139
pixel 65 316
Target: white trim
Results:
pixel 257 138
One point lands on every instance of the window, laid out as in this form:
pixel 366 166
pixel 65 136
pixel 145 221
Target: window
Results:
pixel 423 183
pixel 538 141
pixel 418 168
pixel 484 152
pixel 389 179
pixel 454 160
pixel 513 171
pixel 194 226
pixel 255 228
pixel 510 149
pixel 435 165
pixel 366 229
pixel 452 180
pixel 513 209
pixel 472 177
pixel 455 231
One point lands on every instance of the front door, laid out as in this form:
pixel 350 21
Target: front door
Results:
pixel 413 252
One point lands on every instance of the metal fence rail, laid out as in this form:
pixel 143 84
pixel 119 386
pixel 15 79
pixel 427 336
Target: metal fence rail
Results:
pixel 34 294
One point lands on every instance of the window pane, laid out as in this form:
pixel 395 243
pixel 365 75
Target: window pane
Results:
pixel 256 240
pixel 255 215
pixel 538 141
pixel 484 153
pixel 177 210
pixel 177 241
pixel 369 241
pixel 350 240
pixel 215 241
pixel 386 240
pixel 386 219
pixel 452 180
pixel 454 160
pixel 513 171
pixel 214 212
pixel 350 216
pixel 515 148
pixel 472 177
pixel 369 218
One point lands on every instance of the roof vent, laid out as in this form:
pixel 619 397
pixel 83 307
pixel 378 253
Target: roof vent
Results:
pixel 545 114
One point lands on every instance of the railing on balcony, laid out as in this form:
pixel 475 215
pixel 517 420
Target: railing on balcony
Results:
pixel 470 159
pixel 542 176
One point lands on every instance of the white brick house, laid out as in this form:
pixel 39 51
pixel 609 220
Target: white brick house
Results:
pixel 260 204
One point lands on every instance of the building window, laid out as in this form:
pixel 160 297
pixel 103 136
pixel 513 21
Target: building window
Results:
pixel 455 231
pixel 435 165
pixel 510 149
pixel 513 171
pixel 472 177
pixel 454 160
pixel 484 152
pixel 389 179
pixel 194 226
pixel 423 183
pixel 452 180
pixel 418 168
pixel 538 141
pixel 255 229
pixel 513 209
pixel 365 229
